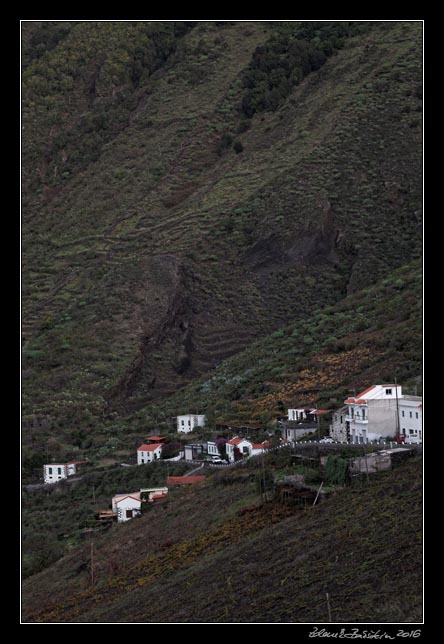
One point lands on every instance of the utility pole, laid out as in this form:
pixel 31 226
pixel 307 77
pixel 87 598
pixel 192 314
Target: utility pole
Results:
pixel 263 477
pixel 328 606
pixel 397 411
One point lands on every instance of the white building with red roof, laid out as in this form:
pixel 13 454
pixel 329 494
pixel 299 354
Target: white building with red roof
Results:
pixel 127 506
pixel 373 414
pixel 245 447
pixel 148 453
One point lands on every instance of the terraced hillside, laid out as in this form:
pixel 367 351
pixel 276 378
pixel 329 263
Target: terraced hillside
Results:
pixel 165 228
pixel 372 335
pixel 215 554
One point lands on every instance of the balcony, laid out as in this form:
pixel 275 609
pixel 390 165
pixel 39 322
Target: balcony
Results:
pixel 360 420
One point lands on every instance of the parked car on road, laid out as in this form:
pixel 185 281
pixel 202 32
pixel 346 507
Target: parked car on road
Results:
pixel 327 439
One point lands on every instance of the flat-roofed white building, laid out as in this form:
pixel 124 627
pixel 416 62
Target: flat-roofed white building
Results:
pixel 188 422
pixel 410 418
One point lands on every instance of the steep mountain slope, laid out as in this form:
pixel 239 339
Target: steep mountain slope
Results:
pixel 375 334
pixel 152 248
pixel 370 336
pixel 214 554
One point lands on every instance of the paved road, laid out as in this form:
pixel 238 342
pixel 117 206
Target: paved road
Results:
pixel 40 486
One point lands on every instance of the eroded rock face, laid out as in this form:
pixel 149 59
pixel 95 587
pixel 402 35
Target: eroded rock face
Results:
pixel 309 247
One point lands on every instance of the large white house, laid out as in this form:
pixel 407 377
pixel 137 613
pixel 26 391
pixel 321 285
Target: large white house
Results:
pixel 53 472
pixel 410 418
pixel 373 414
pixel 245 447
pixel 147 453
pixel 187 423
pixel 126 506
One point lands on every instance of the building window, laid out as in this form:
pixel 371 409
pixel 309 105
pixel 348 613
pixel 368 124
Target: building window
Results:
pixel 416 414
pixel 50 470
pixel 129 514
pixel 412 432
pixel 363 414
pixel 411 415
pixel 142 461
pixel 388 392
pixel 59 471
pixel 183 422
pixel 403 413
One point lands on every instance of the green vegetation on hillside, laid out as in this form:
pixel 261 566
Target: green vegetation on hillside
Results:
pixel 372 335
pixel 218 217
pixel 293 51
pixel 215 554
pixel 53 517
pixel 151 257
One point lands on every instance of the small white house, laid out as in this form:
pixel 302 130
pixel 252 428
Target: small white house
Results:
pixel 127 506
pixel 148 453
pixel 186 424
pixel 245 447
pixel 410 418
pixel 53 472
pixel 299 414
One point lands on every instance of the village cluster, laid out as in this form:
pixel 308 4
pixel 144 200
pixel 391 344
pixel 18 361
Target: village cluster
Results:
pixel 377 414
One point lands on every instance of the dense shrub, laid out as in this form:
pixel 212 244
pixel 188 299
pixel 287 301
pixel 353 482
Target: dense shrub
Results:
pixel 292 52
pixel 336 470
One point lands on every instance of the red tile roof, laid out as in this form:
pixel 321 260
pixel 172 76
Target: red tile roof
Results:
pixel 366 391
pixel 319 412
pixel 235 441
pixel 120 497
pixel 155 438
pixel 184 480
pixel 149 448
pixel 361 401
pixel 349 400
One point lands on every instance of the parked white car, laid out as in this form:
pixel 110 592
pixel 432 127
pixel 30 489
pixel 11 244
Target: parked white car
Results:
pixel 327 439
